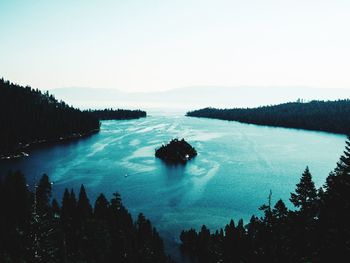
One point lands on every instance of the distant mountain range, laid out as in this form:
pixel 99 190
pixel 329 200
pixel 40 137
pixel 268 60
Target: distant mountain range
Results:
pixel 194 97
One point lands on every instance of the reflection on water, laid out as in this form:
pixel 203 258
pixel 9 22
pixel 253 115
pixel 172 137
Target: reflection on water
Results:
pixel 236 166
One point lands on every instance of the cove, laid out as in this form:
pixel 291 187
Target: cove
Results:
pixel 236 167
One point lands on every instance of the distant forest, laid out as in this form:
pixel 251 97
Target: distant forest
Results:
pixel 318 230
pixel 329 116
pixel 35 230
pixel 29 116
pixel 119 114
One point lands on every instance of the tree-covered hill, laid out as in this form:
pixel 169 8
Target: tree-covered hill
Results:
pixel 35 230
pixel 176 151
pixel 119 114
pixel 329 116
pixel 318 230
pixel 28 116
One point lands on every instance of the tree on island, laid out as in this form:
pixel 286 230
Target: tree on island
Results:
pixel 176 151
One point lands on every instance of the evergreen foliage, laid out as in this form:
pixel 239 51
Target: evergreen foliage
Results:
pixel 176 151
pixel 317 231
pixel 29 116
pixel 329 116
pixel 34 230
pixel 305 195
pixel 119 114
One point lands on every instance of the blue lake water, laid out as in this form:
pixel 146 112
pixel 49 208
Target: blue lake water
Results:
pixel 236 166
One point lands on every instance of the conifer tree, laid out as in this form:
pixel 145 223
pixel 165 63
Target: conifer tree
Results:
pixel 343 166
pixel 305 195
pixel 335 211
pixel 280 211
pixel 83 206
pixel 43 194
pixel 101 207
pixel 43 246
pixel 66 209
pixel 56 211
pixel 16 214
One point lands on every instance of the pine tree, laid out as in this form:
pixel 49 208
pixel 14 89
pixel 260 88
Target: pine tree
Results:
pixel 305 195
pixel 338 182
pixel 43 194
pixel 266 208
pixel 203 245
pixel 83 206
pixel 69 224
pixel 335 210
pixel 15 214
pixel 229 241
pixel 101 207
pixel 280 211
pixel 56 211
pixel 66 210
pixel 343 166
pixel 43 246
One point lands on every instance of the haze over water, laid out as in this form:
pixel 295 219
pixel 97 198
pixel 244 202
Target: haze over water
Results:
pixel 236 166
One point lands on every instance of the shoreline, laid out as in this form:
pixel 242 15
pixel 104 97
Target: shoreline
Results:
pixel 271 125
pixel 23 151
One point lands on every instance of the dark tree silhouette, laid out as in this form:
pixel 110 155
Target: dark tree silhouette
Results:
pixel 84 208
pixel 305 195
pixel 34 231
pixel 335 211
pixel 176 151
pixel 317 231
pixel 329 116
pixel 29 117
pixel 119 114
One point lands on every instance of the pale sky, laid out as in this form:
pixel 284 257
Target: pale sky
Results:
pixel 148 45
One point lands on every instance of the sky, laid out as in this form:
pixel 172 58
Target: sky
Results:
pixel 150 45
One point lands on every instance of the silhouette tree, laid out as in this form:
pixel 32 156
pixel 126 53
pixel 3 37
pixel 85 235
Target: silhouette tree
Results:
pixel 335 211
pixel 30 117
pixel 119 114
pixel 305 195
pixel 343 166
pixel 280 211
pixel 73 233
pixel 43 194
pixel 331 116
pixel 101 210
pixel 43 246
pixel 84 208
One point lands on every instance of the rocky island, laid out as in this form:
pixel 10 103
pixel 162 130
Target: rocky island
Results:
pixel 176 151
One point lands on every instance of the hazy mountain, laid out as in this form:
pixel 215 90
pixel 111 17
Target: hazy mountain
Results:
pixel 194 97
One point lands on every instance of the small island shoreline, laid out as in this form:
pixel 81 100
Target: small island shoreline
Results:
pixel 176 152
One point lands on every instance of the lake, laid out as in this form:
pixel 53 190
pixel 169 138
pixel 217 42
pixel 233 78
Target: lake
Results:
pixel 236 166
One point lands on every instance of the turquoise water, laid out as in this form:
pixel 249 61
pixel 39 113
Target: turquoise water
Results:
pixel 236 166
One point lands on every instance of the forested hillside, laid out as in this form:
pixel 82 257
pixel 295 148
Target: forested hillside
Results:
pixel 330 116
pixel 35 230
pixel 119 114
pixel 317 230
pixel 29 116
